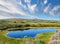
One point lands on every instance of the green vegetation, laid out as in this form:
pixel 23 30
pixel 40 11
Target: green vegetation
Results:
pixel 26 24
pixel 43 38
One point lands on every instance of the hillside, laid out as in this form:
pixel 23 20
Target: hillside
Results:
pixel 27 23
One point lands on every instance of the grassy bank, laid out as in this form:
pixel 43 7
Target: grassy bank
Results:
pixel 24 24
pixel 42 38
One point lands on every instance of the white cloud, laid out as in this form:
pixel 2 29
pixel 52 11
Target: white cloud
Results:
pixel 32 7
pixel 45 1
pixel 54 10
pixel 28 6
pixel 12 8
pixel 20 3
pixel 47 8
pixel 27 1
pixel 4 17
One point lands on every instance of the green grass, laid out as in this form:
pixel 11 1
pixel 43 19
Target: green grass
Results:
pixel 24 23
pixel 42 38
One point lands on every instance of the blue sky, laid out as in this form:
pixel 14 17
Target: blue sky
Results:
pixel 30 9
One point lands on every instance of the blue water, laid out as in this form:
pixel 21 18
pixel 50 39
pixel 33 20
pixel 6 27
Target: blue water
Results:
pixel 29 33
